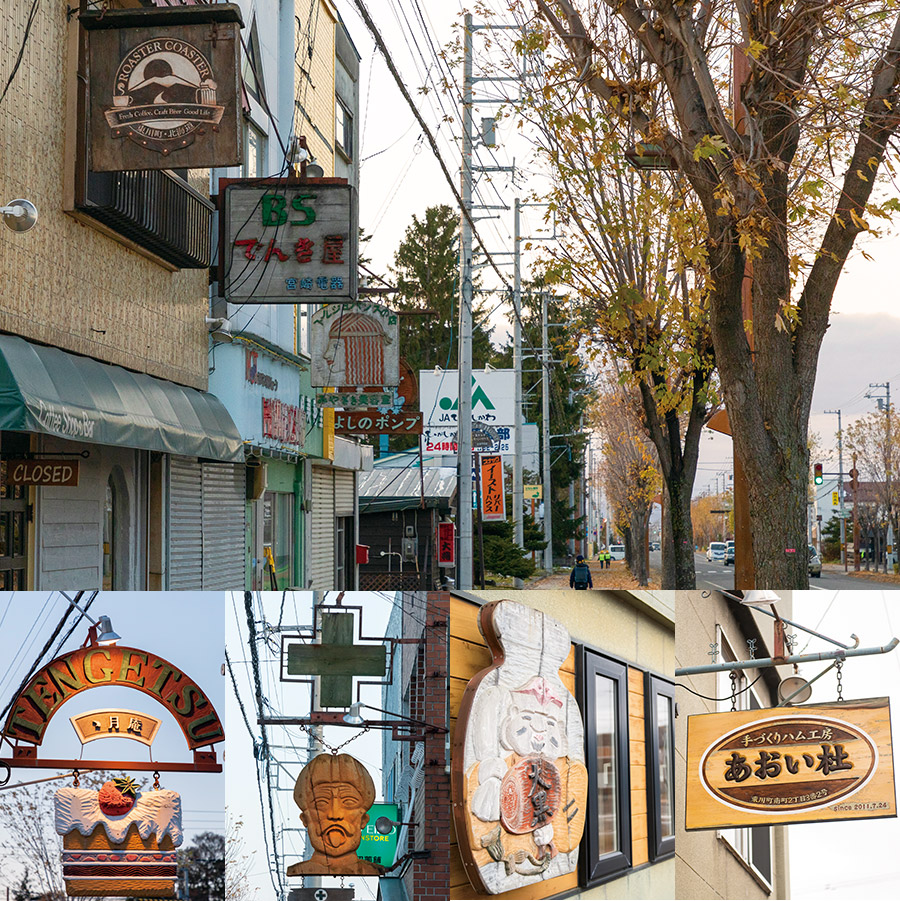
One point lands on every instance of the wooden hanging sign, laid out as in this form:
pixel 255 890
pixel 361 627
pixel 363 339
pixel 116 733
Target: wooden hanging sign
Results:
pixel 518 779
pixel 164 87
pixel 790 765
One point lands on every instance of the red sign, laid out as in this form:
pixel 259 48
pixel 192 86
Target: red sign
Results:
pixel 493 497
pixel 374 422
pixel 283 422
pixel 61 473
pixel 446 544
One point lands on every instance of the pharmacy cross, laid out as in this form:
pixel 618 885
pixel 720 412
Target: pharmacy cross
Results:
pixel 336 660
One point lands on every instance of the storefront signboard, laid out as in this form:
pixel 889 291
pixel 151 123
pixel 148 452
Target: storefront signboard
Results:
pixel 53 473
pixel 446 544
pixel 351 399
pixel 493 494
pixel 790 765
pixel 375 847
pixel 115 723
pixel 288 241
pixel 374 422
pixel 518 778
pixel 164 88
pixel 354 345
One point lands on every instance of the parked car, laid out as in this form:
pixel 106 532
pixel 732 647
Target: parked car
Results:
pixel 715 551
pixel 729 553
pixel 815 563
pixel 617 551
pixel 654 545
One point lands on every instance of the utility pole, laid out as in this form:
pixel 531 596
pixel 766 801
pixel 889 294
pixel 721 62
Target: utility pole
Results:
pixel 464 417
pixel 886 399
pixel 854 482
pixel 545 429
pixel 518 499
pixel 840 437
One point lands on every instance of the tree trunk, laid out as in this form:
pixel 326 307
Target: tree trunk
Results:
pixel 667 546
pixel 638 538
pixel 682 528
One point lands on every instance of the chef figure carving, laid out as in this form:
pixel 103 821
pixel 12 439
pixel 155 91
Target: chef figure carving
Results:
pixel 522 745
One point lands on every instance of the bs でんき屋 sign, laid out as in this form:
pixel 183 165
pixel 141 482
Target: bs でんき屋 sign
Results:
pixel 288 241
pixel 94 666
pixel 790 765
pixel 164 87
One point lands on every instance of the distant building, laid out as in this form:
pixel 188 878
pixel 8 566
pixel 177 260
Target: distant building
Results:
pixel 749 862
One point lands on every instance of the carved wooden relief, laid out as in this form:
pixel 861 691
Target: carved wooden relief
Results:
pixel 519 781
pixel 334 793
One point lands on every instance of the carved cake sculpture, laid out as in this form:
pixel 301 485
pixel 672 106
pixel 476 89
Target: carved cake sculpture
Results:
pixel 520 797
pixel 118 840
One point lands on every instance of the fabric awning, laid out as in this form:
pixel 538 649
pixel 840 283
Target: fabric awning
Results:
pixel 44 389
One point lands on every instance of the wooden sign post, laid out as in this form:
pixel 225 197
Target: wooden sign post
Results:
pixel 790 765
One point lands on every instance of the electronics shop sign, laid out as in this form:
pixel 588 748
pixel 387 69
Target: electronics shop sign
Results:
pixel 288 241
pixel 790 765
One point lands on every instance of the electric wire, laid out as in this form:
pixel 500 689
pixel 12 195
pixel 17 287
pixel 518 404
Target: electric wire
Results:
pixel 28 25
pixel 709 698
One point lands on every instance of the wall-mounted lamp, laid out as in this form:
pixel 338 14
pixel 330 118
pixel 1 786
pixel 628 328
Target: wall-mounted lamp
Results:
pixel 354 717
pixel 385 825
pixel 101 632
pixel 19 215
pixel 762 598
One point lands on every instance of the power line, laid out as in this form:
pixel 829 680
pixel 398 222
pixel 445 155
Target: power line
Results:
pixel 31 14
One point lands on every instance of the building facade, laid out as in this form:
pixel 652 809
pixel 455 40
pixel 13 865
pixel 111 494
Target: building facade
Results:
pixel 103 362
pixel 749 862
pixel 622 649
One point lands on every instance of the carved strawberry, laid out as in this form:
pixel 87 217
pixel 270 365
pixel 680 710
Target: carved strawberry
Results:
pixel 117 796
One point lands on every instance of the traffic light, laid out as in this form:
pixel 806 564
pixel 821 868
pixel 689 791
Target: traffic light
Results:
pixel 818 478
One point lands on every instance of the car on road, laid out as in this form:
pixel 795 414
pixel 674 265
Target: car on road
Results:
pixel 654 545
pixel 815 563
pixel 617 551
pixel 715 551
pixel 729 553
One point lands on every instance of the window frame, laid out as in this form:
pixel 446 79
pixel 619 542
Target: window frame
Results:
pixel 654 687
pixel 593 867
pixel 347 123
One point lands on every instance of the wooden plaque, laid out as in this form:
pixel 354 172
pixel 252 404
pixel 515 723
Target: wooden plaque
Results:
pixel 518 777
pixel 790 765
pixel 164 88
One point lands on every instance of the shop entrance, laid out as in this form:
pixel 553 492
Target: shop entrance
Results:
pixel 13 518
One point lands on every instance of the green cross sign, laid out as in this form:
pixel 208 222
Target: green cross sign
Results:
pixel 336 660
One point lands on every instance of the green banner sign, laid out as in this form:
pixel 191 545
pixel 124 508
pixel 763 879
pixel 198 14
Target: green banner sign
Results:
pixel 380 848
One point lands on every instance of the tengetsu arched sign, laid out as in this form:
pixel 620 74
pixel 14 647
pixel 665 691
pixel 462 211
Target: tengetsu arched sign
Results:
pixel 97 666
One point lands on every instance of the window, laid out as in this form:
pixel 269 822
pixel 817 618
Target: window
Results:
pixel 659 717
pixel 344 553
pixel 752 844
pixel 608 826
pixel 254 152
pixel 343 128
pixel 252 72
pixel 278 534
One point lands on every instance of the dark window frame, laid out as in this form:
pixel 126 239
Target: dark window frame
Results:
pixel 654 686
pixel 346 148
pixel 594 868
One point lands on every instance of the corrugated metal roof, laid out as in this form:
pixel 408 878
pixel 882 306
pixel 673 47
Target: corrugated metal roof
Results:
pixel 396 489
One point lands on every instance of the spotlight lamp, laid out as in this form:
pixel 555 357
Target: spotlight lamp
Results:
pixel 19 215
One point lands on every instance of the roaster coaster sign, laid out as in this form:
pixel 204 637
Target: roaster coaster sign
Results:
pixel 163 86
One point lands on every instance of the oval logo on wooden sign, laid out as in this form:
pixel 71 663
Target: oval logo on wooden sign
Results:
pixel 788 763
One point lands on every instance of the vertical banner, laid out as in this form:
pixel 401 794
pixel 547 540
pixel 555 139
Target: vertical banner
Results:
pixel 446 544
pixel 493 497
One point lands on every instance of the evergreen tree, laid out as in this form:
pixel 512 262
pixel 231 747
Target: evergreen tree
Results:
pixel 501 554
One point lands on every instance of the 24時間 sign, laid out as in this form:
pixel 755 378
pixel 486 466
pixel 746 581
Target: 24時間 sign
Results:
pixel 790 765
pixel 286 241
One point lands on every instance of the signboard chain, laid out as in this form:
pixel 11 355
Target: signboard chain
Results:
pixel 838 665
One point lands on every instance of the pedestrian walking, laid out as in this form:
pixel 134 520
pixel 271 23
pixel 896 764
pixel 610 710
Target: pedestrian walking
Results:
pixel 580 577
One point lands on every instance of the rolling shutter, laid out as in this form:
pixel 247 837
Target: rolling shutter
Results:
pixel 321 559
pixel 185 524
pixel 344 492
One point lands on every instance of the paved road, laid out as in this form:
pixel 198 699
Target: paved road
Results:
pixel 717 575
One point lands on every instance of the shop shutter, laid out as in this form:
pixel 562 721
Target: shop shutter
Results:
pixel 224 497
pixel 321 553
pixel 185 524
pixel 344 492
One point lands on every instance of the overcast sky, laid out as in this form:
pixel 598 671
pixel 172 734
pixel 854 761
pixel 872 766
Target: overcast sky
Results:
pixel 404 178
pixel 854 859
pixel 185 629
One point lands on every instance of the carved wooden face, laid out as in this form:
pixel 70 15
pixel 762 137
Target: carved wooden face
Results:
pixel 335 818
pixel 533 729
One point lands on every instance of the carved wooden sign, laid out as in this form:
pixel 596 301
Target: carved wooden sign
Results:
pixel 115 723
pixel 119 841
pixel 519 781
pixel 334 793
pixel 790 765
pixel 164 87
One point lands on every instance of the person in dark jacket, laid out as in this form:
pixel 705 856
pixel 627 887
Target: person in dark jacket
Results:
pixel 580 577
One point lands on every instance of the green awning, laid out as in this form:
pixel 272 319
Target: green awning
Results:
pixel 44 389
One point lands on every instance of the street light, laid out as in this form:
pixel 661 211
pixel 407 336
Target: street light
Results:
pixel 762 598
pixel 101 632
pixel 19 215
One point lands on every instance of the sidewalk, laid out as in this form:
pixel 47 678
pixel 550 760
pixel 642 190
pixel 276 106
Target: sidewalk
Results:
pixel 871 575
pixel 617 576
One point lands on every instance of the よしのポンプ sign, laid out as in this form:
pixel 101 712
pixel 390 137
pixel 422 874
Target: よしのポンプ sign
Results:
pixel 790 765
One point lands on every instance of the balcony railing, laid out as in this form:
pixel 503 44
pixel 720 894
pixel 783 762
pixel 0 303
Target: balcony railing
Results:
pixel 157 210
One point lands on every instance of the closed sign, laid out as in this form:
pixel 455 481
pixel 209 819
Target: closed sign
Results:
pixel 63 473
